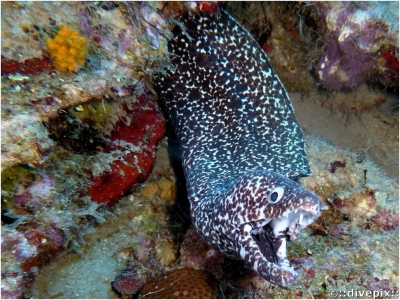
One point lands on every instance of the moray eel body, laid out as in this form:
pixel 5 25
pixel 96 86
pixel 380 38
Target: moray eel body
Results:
pixel 241 144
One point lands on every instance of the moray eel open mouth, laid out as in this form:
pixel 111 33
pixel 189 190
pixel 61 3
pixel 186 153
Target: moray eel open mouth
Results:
pixel 272 246
pixel 267 238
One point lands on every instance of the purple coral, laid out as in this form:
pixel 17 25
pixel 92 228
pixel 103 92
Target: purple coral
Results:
pixel 343 65
pixel 358 35
pixel 16 249
pixel 195 253
pixel 129 281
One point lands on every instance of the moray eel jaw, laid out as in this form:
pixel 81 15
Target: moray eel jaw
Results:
pixel 267 243
pixel 256 218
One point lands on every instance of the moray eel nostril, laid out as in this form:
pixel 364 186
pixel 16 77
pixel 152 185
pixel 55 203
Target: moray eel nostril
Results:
pixel 241 145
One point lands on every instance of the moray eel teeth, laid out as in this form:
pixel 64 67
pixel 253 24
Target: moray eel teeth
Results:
pixel 278 209
pixel 241 145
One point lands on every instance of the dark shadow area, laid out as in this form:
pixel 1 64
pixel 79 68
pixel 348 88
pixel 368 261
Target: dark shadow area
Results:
pixel 179 212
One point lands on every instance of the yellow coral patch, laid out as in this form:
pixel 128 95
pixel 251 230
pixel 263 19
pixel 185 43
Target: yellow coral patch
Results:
pixel 68 50
pixel 150 191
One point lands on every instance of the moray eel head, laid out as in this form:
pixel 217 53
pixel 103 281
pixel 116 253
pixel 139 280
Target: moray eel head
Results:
pixel 261 212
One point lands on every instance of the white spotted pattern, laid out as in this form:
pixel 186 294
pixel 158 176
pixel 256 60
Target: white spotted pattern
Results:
pixel 238 136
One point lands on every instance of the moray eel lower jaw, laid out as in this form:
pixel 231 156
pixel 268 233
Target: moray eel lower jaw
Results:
pixel 264 247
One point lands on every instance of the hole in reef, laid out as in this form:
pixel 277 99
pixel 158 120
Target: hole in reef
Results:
pixel 179 212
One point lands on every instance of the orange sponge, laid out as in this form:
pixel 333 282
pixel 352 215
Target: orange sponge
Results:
pixel 67 49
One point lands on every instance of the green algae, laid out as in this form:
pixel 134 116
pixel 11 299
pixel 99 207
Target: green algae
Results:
pixel 13 181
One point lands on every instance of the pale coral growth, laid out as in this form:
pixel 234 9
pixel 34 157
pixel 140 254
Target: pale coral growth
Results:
pixel 167 190
pixel 23 140
pixel 164 189
pixel 359 190
pixel 166 252
pixel 68 50
pixel 15 248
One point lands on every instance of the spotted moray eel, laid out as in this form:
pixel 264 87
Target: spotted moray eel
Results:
pixel 241 145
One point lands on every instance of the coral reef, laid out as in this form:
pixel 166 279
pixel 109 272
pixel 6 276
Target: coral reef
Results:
pixel 69 133
pixel 362 44
pixel 328 46
pixel 362 241
pixel 72 140
pixel 128 241
pixel 68 50
pixel 183 283
pixel 195 253
pixel 38 231
pixel 359 194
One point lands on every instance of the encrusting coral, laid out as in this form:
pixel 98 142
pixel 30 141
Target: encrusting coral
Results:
pixel 68 50
pixel 35 98
pixel 183 283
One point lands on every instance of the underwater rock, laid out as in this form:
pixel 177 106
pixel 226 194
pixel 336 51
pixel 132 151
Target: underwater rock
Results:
pixel 362 44
pixel 33 66
pixel 40 226
pixel 166 253
pixel 22 253
pixel 359 190
pixel 16 250
pixel 341 44
pixel 387 220
pixel 358 204
pixel 128 239
pixel 197 254
pixel 23 140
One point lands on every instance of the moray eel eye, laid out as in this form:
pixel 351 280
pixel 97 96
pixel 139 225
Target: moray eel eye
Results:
pixel 275 195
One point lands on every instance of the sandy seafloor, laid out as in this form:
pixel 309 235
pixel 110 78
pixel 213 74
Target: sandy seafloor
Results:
pixel 374 132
